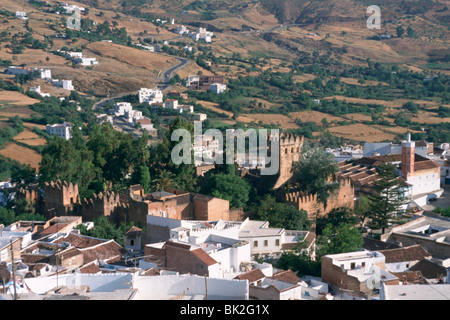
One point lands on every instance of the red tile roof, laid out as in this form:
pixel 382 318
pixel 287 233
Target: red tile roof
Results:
pixel 288 276
pixel 80 241
pixel 204 257
pixel 90 268
pixel 57 227
pixel 109 252
pixel 412 253
pixel 252 275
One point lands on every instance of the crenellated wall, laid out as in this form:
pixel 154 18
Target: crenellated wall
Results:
pixel 342 197
pixel 60 198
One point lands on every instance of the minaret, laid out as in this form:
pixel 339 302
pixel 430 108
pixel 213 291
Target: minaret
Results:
pixel 408 152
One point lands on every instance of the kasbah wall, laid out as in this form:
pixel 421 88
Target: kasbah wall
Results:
pixel 290 152
pixel 62 198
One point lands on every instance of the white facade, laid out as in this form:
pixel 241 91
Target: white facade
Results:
pixel 181 30
pixel 46 74
pixel 122 108
pixel 89 61
pixel 218 88
pixel 74 54
pixel 62 130
pixel 21 15
pixel 185 108
pixel 263 240
pixel 37 89
pixel 65 84
pixel 202 34
pixel 72 7
pixel 425 183
pixel 171 104
pixel 192 78
pixel 200 116
pixel 165 287
pixel 150 95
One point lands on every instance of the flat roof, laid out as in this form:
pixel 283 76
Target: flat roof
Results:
pixel 253 228
pixel 418 292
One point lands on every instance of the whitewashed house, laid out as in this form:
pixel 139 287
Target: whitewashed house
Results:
pixel 62 130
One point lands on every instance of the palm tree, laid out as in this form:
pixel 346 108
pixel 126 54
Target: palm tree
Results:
pixel 165 180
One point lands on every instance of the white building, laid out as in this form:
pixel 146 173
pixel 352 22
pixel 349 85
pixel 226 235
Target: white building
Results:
pixel 65 84
pixel 218 88
pixel 122 108
pixel 37 89
pixel 189 287
pixel 43 73
pixel 200 116
pixel 202 34
pixel 62 130
pixel 171 104
pixel 46 74
pixel 74 54
pixel 88 61
pixel 415 292
pixel 150 95
pixel 133 115
pixel 192 79
pixel 21 15
pixel 181 30
pixel 187 48
pixel 147 48
pixel 71 8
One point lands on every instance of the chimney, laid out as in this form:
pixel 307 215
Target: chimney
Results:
pixel 408 155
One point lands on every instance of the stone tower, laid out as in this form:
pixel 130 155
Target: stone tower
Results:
pixel 60 198
pixel 290 152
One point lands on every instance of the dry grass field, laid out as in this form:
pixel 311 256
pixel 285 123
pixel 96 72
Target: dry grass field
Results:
pixel 22 155
pixel 280 120
pixel 314 116
pixel 30 138
pixel 22 112
pixel 361 132
pixel 15 98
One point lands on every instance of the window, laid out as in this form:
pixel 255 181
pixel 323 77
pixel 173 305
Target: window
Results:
pixel 277 242
pixel 131 242
pixel 255 243
pixel 363 264
pixel 352 265
pixel 266 243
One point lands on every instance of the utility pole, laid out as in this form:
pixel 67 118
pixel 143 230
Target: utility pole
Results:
pixel 206 287
pixel 13 270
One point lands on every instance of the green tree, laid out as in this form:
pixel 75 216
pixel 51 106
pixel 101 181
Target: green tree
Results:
pixel 141 176
pixel 339 239
pixel 164 180
pixel 362 208
pixel 336 217
pixel 281 215
pixel 313 172
pixel 229 187
pixel 400 31
pixel 302 264
pixel 386 198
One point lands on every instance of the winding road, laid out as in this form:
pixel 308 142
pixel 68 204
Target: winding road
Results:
pixel 163 78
